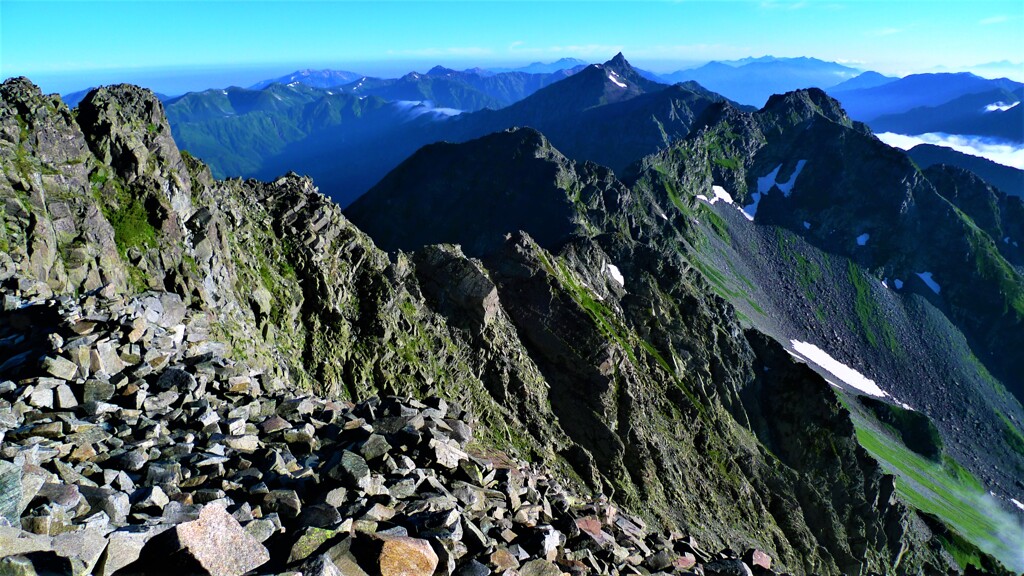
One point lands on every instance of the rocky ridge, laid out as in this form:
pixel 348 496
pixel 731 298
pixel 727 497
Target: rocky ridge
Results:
pixel 556 359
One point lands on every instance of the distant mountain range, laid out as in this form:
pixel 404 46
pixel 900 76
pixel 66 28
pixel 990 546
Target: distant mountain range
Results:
pixel 282 121
pixel 460 90
pixel 545 68
pixel 752 80
pixel 314 78
pixel 914 91
pixel 347 142
pixel 995 113
pixel 869 79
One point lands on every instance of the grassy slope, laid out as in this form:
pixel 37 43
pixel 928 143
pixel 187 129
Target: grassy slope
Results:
pixel 948 491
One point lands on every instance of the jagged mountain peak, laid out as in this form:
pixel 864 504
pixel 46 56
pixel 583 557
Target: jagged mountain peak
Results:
pixel 126 128
pixel 475 192
pixel 806 103
pixel 619 61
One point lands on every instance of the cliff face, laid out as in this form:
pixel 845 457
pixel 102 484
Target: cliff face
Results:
pixel 600 352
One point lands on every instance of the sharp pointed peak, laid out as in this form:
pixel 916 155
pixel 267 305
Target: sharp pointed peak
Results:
pixel 618 60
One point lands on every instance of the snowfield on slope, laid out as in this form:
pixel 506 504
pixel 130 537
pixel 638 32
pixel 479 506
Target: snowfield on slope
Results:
pixel 771 180
pixel 806 351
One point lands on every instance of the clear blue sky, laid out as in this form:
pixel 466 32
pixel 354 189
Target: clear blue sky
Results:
pixel 172 46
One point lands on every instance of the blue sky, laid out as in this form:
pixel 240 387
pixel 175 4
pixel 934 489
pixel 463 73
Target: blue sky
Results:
pixel 173 46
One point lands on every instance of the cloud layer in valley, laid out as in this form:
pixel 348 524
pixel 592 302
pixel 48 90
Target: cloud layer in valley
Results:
pixel 999 151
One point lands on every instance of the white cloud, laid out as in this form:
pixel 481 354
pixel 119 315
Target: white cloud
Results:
pixel 1000 151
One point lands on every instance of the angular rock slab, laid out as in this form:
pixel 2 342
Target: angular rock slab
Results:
pixel 403 556
pixel 10 492
pixel 219 544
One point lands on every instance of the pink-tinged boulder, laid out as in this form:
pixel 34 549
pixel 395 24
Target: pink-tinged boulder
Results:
pixel 403 556
pixel 219 544
pixel 754 557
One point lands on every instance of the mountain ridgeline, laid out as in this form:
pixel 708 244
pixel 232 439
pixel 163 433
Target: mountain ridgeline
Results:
pixel 284 127
pixel 654 337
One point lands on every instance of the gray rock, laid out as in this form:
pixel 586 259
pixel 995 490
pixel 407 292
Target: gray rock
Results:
pixel 261 529
pixel 124 547
pixel 374 447
pixel 10 492
pixel 539 568
pixel 17 566
pixel 14 541
pixel 65 397
pixel 473 568
pixel 176 379
pixel 82 547
pixel 97 391
pixel 320 566
pixel 352 470
pixel 104 359
pixel 150 498
pixel 284 502
pixel 727 567
pixel 60 367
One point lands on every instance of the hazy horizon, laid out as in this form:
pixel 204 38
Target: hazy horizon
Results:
pixel 174 47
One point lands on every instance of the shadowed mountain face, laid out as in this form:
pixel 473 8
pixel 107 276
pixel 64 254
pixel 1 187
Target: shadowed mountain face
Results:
pixel 1007 179
pixel 612 347
pixel 819 233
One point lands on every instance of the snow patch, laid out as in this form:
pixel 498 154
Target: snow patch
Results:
pixel 615 274
pixel 615 79
pixel 750 210
pixel 1000 106
pixel 863 239
pixel 807 225
pixel 907 406
pixel 1017 503
pixel 927 278
pixel 847 375
pixel 721 194
pixel 897 283
pixel 767 182
pixel 224 92
pixel 787 187
pixel 885 282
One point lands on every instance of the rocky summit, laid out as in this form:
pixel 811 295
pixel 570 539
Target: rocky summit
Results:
pixel 229 376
